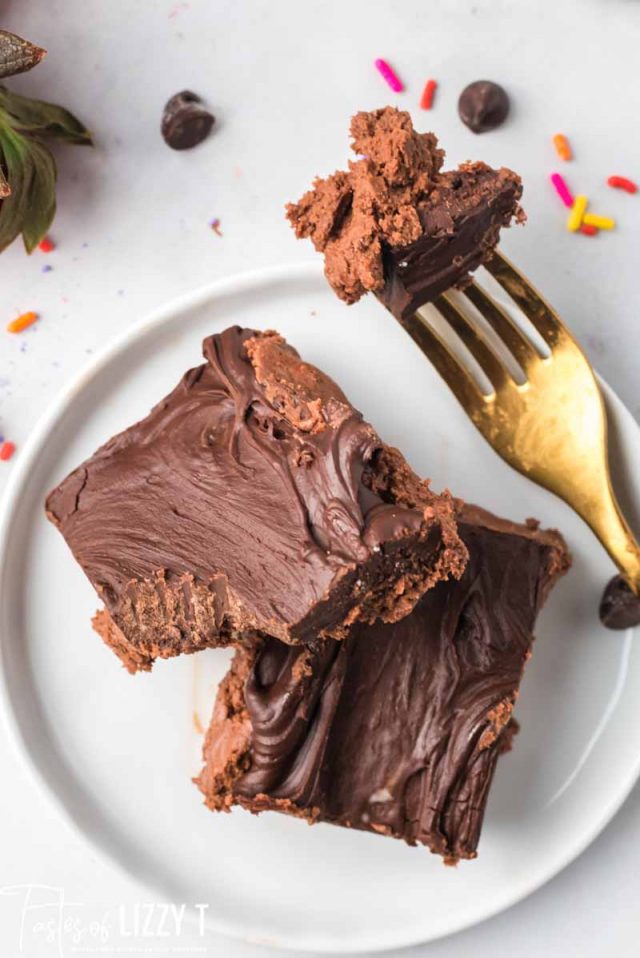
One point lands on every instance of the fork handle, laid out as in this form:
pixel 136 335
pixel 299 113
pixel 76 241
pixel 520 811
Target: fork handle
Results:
pixel 605 518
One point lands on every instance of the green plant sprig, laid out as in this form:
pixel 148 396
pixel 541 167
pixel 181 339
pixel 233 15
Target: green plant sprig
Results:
pixel 27 167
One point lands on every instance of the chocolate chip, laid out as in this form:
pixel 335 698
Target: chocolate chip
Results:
pixel 184 122
pixel 483 106
pixel 619 607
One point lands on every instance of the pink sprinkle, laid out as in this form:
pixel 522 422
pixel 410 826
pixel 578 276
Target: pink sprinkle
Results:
pixel 389 75
pixel 562 189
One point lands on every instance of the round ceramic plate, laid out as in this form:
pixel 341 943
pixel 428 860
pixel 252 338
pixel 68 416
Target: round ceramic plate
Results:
pixel 118 752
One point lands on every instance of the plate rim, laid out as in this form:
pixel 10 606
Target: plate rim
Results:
pixel 237 283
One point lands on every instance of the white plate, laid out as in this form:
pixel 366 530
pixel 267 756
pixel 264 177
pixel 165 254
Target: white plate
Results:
pixel 117 752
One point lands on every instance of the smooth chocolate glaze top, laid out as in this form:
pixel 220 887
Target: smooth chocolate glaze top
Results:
pixel 398 729
pixel 253 496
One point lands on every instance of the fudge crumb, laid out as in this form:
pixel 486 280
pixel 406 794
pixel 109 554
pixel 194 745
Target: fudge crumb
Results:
pixel 368 220
pixel 349 215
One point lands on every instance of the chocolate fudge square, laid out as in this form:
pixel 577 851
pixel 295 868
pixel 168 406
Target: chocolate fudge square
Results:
pixel 395 223
pixel 396 730
pixel 254 497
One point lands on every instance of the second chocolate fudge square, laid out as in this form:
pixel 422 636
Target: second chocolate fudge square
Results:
pixel 398 729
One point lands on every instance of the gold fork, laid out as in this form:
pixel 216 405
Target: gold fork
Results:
pixel 552 427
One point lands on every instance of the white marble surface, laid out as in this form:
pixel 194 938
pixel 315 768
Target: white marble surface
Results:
pixel 132 232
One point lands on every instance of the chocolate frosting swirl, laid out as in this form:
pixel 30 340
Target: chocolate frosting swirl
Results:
pixel 254 496
pixel 398 728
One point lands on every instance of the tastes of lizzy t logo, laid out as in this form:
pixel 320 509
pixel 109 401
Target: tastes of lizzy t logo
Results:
pixel 47 923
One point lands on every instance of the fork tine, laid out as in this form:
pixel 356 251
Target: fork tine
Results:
pixel 489 362
pixel 446 363
pixel 502 324
pixel 528 299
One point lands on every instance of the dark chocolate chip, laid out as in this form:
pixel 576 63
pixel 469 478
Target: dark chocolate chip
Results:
pixel 483 106
pixel 184 122
pixel 619 607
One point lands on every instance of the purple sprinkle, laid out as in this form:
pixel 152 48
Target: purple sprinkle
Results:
pixel 120 292
pixel 23 346
pixel 85 245
pixel 47 268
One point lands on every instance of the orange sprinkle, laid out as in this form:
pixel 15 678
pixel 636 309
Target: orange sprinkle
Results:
pixel 427 94
pixel 22 322
pixel 46 245
pixel 7 449
pixel 589 230
pixel 563 149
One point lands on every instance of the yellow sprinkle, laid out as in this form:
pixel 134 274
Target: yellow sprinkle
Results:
pixel 22 322
pixel 574 220
pixel 602 222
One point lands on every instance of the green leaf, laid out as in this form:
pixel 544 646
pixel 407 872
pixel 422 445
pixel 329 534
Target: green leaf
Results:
pixel 44 119
pixel 31 173
pixel 17 55
pixel 41 202
pixel 27 168
pixel 19 175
